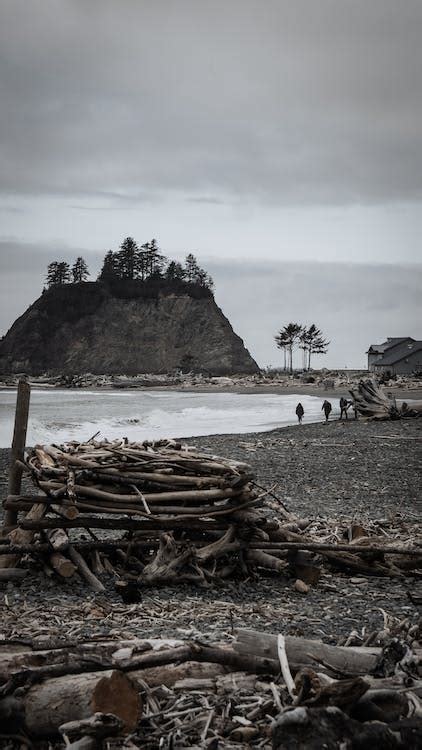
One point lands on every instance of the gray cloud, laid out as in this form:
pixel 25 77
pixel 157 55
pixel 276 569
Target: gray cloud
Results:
pixel 354 304
pixel 282 102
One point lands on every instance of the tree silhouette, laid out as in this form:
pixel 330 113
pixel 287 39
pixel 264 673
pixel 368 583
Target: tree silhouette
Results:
pixel 109 269
pixel 175 271
pixel 195 274
pixel 58 272
pixel 155 260
pixel 192 268
pixel 79 270
pixel 147 262
pixel 127 259
pixel 313 342
pixel 287 338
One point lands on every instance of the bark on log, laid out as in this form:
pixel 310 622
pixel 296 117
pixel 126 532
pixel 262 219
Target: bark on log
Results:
pixel 130 524
pixel 157 497
pixel 20 536
pixel 84 571
pixel 169 674
pixel 13 574
pixel 97 726
pixel 226 544
pixel 61 565
pixel 353 548
pixel 264 560
pixel 70 698
pixel 113 651
pixel 301 652
pixel 18 445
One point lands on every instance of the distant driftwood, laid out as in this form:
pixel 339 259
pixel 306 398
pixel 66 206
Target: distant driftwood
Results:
pixel 374 403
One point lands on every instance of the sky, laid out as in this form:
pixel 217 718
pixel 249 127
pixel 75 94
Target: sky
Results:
pixel 280 142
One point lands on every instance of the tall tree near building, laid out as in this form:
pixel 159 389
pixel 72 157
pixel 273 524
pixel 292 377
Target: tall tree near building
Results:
pixel 288 338
pixel 313 342
pixel 79 270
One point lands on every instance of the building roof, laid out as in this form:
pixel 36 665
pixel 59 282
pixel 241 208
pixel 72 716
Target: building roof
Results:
pixel 386 345
pixel 400 352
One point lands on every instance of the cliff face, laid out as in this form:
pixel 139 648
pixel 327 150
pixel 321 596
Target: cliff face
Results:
pixel 86 327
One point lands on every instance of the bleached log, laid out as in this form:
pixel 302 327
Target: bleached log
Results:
pixel 58 539
pixel 84 571
pixel 302 652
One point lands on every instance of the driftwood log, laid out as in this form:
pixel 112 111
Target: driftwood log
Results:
pixel 374 403
pixel 75 697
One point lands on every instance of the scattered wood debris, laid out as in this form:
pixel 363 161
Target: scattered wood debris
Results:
pixel 257 690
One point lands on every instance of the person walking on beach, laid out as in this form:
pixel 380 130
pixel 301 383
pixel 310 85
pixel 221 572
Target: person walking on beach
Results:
pixel 344 405
pixel 300 412
pixel 326 408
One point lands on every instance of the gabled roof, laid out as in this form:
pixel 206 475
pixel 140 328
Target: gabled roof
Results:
pixel 386 345
pixel 400 352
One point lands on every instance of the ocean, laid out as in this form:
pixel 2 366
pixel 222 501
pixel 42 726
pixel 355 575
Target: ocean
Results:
pixel 58 415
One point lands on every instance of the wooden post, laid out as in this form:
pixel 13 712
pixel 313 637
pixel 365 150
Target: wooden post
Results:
pixel 18 446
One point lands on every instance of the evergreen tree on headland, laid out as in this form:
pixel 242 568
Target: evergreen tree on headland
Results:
pixel 79 270
pixel 109 269
pixel 127 259
pixel 145 262
pixel 195 274
pixel 155 261
pixel 58 272
pixel 191 268
pixel 175 271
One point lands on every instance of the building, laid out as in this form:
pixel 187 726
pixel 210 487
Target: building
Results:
pixel 397 356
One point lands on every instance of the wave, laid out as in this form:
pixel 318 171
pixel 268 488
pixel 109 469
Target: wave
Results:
pixel 69 415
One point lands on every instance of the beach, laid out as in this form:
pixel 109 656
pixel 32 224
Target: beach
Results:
pixel 354 470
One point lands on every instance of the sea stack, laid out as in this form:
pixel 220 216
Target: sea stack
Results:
pixel 127 327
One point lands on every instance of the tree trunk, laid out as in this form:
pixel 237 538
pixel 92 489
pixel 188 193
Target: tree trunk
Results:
pixel 61 565
pixel 69 698
pixel 19 536
pixel 302 652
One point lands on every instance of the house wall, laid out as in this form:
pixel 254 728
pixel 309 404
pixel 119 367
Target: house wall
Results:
pixel 412 363
pixel 372 358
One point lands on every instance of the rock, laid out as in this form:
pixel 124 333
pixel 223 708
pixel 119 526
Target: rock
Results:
pixel 94 328
pixel 301 586
pixel 316 728
pixel 359 581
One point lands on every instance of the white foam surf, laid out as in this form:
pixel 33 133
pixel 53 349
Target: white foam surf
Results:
pixel 60 415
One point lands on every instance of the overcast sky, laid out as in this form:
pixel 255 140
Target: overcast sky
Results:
pixel 285 132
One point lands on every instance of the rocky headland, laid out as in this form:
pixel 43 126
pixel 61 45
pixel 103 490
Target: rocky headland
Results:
pixel 131 327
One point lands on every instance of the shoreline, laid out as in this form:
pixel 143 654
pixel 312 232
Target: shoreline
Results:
pixel 297 388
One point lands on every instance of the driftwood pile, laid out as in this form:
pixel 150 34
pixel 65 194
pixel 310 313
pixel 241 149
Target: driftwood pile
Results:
pixel 259 690
pixel 373 402
pixel 186 517
pixel 178 507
